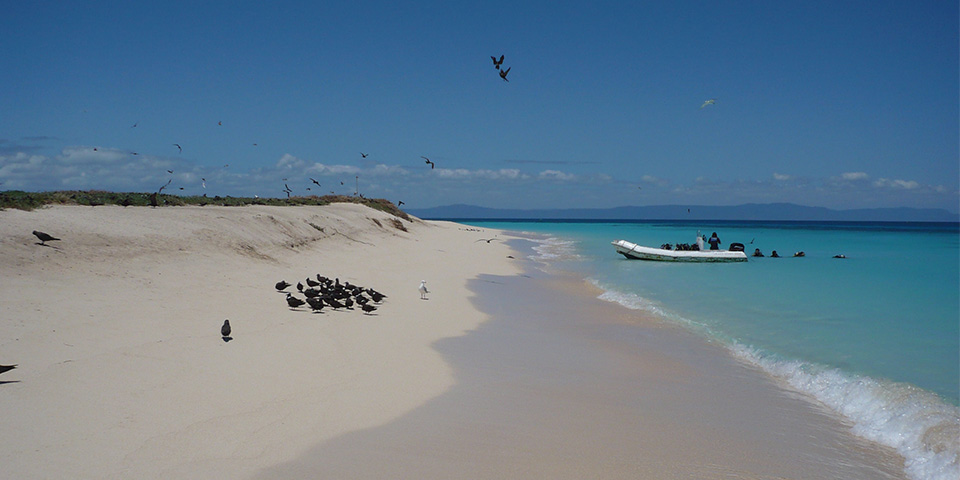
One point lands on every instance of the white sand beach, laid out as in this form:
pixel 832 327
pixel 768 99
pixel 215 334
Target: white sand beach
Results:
pixel 123 373
pixel 116 329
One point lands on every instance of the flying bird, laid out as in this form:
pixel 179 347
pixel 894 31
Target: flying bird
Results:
pixel 709 102
pixel 364 155
pixel 170 172
pixel 503 74
pixel 204 182
pixel 488 240
pixel 178 147
pixel 497 63
pixel 134 125
pixel 427 161
pixel 44 237
pixel 219 123
pixel 400 203
pixel 314 181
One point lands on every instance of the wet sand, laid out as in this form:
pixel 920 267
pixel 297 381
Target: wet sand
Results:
pixel 559 384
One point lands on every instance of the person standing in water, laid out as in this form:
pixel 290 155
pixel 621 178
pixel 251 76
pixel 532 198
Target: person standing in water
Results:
pixel 714 242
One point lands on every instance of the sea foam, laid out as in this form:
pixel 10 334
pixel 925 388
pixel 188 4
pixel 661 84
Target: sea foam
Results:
pixel 918 424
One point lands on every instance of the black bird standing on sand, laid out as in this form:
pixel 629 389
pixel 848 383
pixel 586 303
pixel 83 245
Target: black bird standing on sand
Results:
pixel 316 303
pixel 367 308
pixel 44 237
pixel 294 302
pixel 282 284
pixel 225 329
pixel 6 368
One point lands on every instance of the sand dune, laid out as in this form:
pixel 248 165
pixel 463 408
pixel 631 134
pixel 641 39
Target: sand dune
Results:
pixel 122 371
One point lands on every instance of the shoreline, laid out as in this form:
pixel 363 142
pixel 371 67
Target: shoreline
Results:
pixel 123 372
pixel 561 384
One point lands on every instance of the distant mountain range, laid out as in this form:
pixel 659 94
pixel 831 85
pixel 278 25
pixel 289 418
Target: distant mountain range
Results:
pixel 749 211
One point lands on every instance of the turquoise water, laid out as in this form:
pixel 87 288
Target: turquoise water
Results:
pixel 874 336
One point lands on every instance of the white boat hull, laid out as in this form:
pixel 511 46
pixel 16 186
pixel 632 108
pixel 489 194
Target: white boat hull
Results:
pixel 639 252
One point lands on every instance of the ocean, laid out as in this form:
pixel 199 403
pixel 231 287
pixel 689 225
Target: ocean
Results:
pixel 875 336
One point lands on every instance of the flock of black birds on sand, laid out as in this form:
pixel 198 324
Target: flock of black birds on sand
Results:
pixel 322 293
pixel 325 292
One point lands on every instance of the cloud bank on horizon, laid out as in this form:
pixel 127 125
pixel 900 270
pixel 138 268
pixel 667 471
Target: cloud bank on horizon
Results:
pixel 98 168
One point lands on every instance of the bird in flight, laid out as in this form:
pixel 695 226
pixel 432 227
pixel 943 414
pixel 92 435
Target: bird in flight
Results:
pixel 204 182
pixel 364 155
pixel 400 203
pixel 135 125
pixel 709 102
pixel 178 147
pixel 497 63
pixel 503 74
pixel 314 181
pixel 170 172
pixel 488 240
pixel 428 161
pixel 219 123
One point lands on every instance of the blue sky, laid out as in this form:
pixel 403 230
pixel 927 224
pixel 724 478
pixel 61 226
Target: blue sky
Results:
pixel 836 104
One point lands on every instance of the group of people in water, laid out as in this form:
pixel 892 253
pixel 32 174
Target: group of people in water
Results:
pixel 714 242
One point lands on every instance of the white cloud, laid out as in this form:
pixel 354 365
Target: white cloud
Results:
pixel 781 176
pixel 854 176
pixel 465 174
pixel 557 175
pixel 904 184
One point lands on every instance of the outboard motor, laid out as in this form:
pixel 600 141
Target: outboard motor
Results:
pixel 736 247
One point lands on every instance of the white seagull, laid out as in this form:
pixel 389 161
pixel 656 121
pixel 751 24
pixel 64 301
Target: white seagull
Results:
pixel 423 289
pixel 709 102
